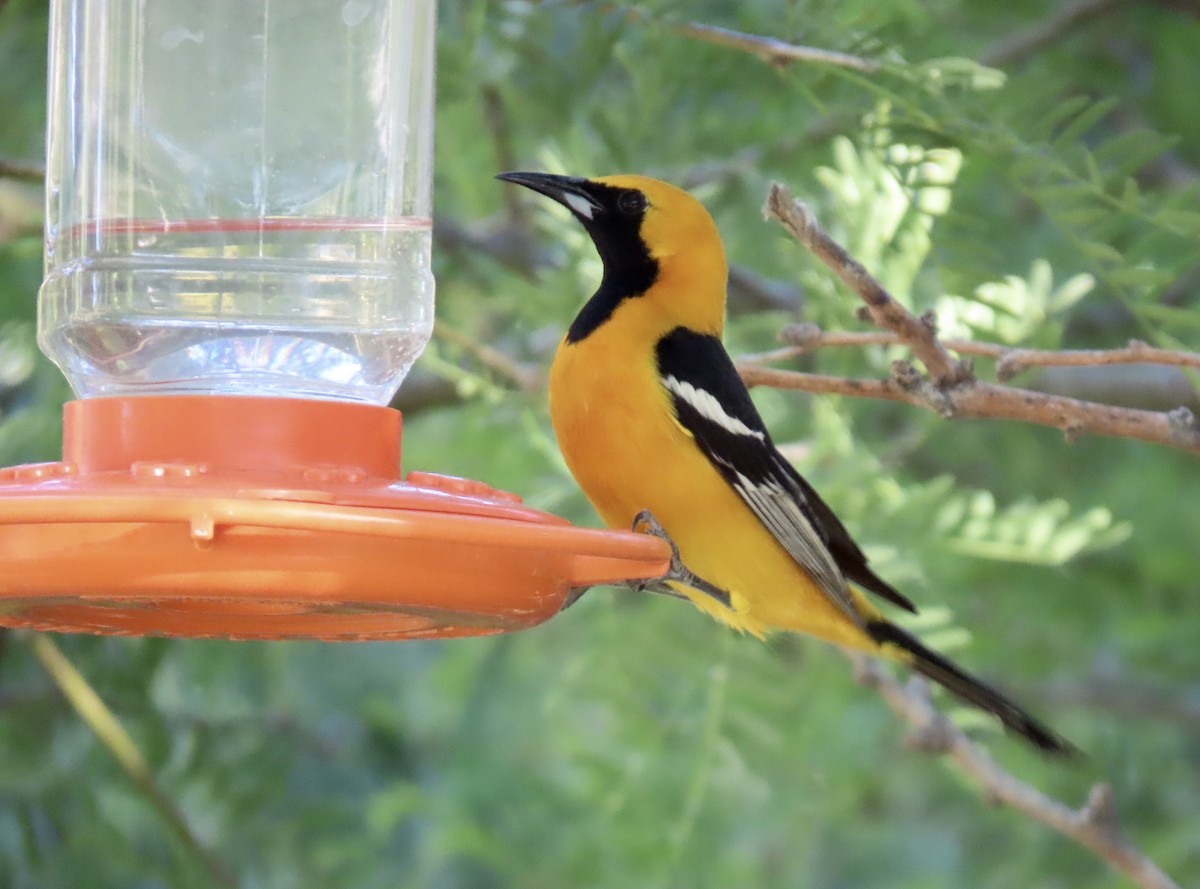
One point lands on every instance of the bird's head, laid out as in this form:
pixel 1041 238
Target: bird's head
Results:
pixel 656 241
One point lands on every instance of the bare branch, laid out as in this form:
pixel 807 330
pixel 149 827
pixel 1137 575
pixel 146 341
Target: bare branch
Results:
pixel 1176 428
pixel 807 337
pixel 1135 699
pixel 1014 361
pixel 952 390
pixel 109 731
pixel 768 49
pixel 1093 826
pixel 919 334
pixel 523 376
pixel 26 171
pixel 1026 43
pixel 422 390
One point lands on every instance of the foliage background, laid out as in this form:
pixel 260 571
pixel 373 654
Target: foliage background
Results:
pixel 631 742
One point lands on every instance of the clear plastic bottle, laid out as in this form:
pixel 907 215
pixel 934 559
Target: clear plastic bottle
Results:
pixel 239 196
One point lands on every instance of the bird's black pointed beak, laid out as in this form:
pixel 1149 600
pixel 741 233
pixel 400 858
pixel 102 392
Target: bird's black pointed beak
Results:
pixel 572 192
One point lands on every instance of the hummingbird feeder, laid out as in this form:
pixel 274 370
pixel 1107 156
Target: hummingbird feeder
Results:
pixel 237 281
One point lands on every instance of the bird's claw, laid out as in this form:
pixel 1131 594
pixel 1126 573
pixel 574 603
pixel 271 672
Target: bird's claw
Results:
pixel 645 523
pixel 677 572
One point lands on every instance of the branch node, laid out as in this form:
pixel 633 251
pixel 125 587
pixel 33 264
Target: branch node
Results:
pixel 1072 432
pixel 929 319
pixel 931 738
pixel 866 671
pixel 800 335
pixel 1182 419
pixel 1100 809
pixel 906 376
pixel 992 799
pixel 1007 366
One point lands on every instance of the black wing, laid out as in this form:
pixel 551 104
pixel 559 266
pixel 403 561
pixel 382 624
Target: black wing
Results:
pixel 714 407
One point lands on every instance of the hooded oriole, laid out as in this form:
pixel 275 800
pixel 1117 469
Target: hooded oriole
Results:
pixel 650 414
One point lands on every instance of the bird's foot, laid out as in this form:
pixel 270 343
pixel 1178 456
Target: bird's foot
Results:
pixel 645 523
pixel 677 571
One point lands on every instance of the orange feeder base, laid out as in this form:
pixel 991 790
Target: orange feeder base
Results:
pixel 273 518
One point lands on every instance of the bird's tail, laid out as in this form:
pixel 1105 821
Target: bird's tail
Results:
pixel 941 670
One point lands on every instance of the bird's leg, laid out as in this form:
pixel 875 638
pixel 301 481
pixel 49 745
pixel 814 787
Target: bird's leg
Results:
pixel 645 523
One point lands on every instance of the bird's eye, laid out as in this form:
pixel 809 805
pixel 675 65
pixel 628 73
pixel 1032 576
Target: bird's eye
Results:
pixel 631 203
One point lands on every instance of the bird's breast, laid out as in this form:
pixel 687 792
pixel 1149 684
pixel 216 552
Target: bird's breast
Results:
pixel 615 427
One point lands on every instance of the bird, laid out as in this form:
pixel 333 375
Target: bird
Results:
pixel 657 428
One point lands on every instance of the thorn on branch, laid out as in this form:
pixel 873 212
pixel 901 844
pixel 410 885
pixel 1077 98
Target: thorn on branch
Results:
pixel 1182 419
pixel 1100 809
pixel 965 371
pixel 800 335
pixel 934 737
pixel 1006 368
pixel 906 376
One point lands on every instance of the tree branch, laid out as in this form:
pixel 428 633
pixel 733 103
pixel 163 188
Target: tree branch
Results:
pixel 808 337
pixel 802 338
pixel 1093 826
pixel 523 376
pixel 919 334
pixel 1020 46
pixel 1131 697
pixel 25 171
pixel 952 390
pixel 1014 361
pixel 768 49
pixel 109 731
pixel 1177 428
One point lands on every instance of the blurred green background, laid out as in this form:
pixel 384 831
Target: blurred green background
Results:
pixel 1031 177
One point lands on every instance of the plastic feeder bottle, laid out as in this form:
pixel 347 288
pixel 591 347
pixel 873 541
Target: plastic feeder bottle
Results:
pixel 237 281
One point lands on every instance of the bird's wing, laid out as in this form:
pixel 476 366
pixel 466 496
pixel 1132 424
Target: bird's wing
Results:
pixel 713 406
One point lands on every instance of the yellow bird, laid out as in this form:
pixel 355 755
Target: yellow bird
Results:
pixel 651 415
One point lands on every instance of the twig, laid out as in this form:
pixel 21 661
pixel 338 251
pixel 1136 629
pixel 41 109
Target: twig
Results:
pixel 1125 696
pixel 423 390
pixel 1093 826
pixel 768 49
pixel 1011 361
pixel 807 337
pixel 1014 361
pixel 508 244
pixel 109 731
pixel 919 334
pixel 952 390
pixel 520 230
pixel 1024 44
pixel 1177 428
pixel 27 171
pixel 523 376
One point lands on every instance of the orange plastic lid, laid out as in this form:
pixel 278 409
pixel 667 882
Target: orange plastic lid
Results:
pixel 273 518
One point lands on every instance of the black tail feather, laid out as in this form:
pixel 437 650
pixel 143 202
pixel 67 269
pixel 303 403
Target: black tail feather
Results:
pixel 942 671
